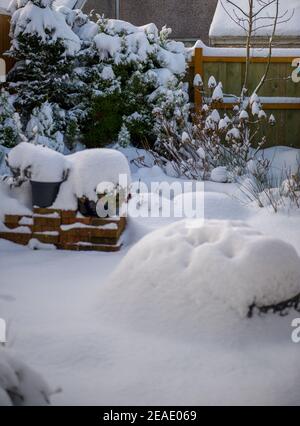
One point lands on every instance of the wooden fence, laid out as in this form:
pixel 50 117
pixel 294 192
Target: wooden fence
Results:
pixel 285 105
pixel 5 40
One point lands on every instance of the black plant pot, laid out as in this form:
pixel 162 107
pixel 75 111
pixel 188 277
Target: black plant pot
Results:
pixel 44 193
pixel 87 207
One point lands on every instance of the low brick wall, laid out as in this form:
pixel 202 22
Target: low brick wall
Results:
pixel 66 230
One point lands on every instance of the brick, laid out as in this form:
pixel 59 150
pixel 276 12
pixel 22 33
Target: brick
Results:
pixel 74 236
pixel 97 221
pixel 45 211
pixel 13 219
pixel 46 239
pixel 101 240
pixel 104 233
pixel 12 225
pixel 22 239
pixel 47 222
pixel 68 214
pixel 44 228
pixel 73 220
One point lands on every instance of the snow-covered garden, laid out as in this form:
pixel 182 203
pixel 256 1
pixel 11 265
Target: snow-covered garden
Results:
pixel 199 305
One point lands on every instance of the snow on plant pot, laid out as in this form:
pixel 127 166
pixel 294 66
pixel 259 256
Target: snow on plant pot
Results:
pixel 94 168
pixel 185 276
pixel 45 168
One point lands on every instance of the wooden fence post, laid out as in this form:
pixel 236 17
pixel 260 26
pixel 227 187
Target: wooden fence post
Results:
pixel 198 70
pixel 2 70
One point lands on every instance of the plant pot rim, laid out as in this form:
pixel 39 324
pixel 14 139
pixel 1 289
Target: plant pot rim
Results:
pixel 47 183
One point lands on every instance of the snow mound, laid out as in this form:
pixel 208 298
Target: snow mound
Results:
pixel 219 174
pixel 187 276
pixel 19 385
pixel 88 169
pixel 44 164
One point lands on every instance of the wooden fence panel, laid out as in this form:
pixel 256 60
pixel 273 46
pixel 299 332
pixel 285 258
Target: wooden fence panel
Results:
pixel 5 40
pixel 231 71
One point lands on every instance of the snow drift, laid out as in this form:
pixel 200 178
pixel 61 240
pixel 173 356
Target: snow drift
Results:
pixel 187 276
pixel 19 385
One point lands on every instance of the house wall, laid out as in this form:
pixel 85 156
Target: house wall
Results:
pixel 189 19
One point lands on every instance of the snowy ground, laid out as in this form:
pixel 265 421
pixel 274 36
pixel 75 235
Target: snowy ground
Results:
pixel 52 302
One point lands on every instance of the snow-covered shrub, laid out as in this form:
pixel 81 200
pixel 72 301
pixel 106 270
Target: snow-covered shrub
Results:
pixel 290 187
pixel 124 137
pixel 44 46
pixel 216 139
pixel 38 163
pixel 10 123
pixel 128 67
pixel 280 193
pixel 97 77
pixel 190 275
pixel 42 128
pixel 19 384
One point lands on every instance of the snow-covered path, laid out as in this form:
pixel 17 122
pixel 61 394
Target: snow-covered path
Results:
pixel 52 303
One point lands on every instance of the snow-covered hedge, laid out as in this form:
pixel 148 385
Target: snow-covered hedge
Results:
pixel 77 79
pixel 189 274
pixel 38 17
pixel 19 384
pixel 140 72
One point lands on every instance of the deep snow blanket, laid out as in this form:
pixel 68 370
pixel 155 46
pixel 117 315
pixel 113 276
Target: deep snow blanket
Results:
pixel 19 385
pixel 188 275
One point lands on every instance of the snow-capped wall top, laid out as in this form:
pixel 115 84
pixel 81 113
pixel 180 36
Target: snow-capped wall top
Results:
pixel 32 19
pixel 223 25
pixel 240 52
